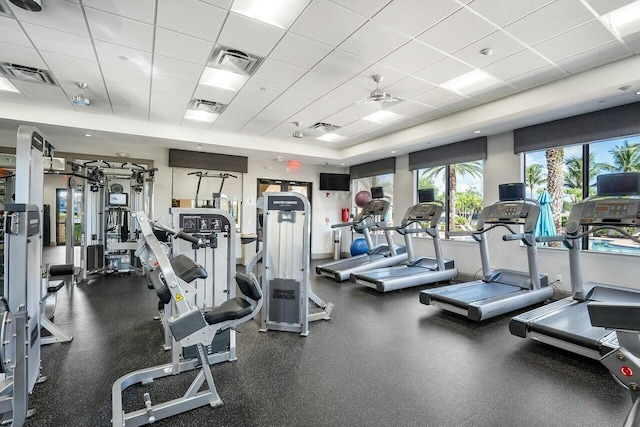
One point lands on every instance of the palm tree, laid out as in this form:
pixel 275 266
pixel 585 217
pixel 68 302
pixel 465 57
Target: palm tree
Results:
pixel 469 168
pixel 574 179
pixel 626 158
pixel 534 175
pixel 555 184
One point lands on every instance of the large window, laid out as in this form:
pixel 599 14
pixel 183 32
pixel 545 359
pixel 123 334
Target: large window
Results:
pixel 364 184
pixel 568 175
pixel 459 187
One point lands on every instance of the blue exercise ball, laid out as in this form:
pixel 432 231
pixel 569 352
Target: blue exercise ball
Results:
pixel 358 247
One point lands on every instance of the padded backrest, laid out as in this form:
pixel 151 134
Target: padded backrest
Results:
pixel 249 286
pixel 187 269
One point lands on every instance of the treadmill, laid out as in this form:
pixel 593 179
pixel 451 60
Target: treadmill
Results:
pixel 415 272
pixel 377 256
pixel 565 323
pixel 499 291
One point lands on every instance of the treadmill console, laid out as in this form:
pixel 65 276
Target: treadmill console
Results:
pixel 618 212
pixel 512 213
pixel 375 207
pixel 428 212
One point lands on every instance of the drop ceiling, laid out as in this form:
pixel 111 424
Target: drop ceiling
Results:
pixel 143 60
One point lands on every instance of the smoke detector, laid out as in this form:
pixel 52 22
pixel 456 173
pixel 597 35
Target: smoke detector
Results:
pixel 297 133
pixel 80 99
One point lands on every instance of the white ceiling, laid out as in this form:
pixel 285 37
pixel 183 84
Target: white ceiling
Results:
pixel 143 60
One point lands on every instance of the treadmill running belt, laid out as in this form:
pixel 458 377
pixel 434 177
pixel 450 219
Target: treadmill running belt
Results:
pixel 461 297
pixel 571 324
pixel 391 273
pixel 353 262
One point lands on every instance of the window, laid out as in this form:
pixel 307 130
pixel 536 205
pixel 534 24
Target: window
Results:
pixel 463 200
pixel 569 174
pixel 364 184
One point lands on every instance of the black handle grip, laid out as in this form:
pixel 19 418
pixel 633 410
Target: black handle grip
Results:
pixel 343 224
pixel 188 237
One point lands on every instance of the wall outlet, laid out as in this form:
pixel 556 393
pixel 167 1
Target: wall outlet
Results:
pixel 559 277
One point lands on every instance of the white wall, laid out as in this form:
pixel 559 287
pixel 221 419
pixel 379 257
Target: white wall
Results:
pixel 503 166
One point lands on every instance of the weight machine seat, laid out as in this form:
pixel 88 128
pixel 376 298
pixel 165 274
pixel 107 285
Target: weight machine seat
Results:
pixel 187 269
pixel 54 287
pixel 236 308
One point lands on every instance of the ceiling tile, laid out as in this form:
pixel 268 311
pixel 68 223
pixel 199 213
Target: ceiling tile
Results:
pixel 341 119
pixel 428 115
pixel 263 88
pixel 327 23
pixel 299 51
pixel 57 14
pixel 633 42
pixel 443 70
pixel 494 92
pixel 12 33
pixel 360 109
pixel 257 127
pixel 174 68
pixel 192 17
pixel 342 65
pixel 298 96
pixel 118 30
pixel 50 40
pixel 69 70
pixel 516 65
pixel 126 76
pixel 550 21
pixel 436 96
pixel 580 39
pixel 216 94
pixel 220 3
pixel 411 57
pixel 503 12
pixel 373 41
pixel 278 111
pixel 536 78
pixel 600 55
pixel 408 87
pixel 14 97
pixel 128 101
pixel 20 55
pixel 363 126
pixel 245 107
pixel 446 35
pixel 316 83
pixel 409 108
pixel 140 10
pixel 366 8
pixel 183 47
pixel 124 57
pixel 501 45
pixel 248 35
pixel 606 6
pixel 279 72
pixel 412 17
pixel 365 79
pixel 456 105
pixel 168 108
pixel 43 95
pixel 172 86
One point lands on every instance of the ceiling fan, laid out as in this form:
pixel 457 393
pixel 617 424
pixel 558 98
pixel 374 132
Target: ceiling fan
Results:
pixel 379 95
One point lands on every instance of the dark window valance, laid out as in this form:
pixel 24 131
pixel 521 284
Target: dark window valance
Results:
pixel 377 167
pixel 459 152
pixel 209 161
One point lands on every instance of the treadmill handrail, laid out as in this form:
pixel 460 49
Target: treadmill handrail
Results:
pixel 526 238
pixel 604 227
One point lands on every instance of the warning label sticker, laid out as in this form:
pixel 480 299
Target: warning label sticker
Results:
pixel 179 298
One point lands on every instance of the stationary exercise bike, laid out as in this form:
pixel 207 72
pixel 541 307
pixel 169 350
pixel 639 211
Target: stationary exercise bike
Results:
pixel 189 326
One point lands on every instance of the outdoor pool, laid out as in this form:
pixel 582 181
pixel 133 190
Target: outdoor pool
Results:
pixel 607 245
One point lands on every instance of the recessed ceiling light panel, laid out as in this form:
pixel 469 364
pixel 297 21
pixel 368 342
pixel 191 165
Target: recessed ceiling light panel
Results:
pixel 201 116
pixel 331 137
pixel 223 79
pixel 470 83
pixel 624 20
pixel 7 86
pixel 382 117
pixel 279 13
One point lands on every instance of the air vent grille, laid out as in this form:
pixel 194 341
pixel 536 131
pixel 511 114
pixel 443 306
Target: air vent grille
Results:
pixel 27 74
pixel 208 106
pixel 236 61
pixel 328 127
pixel 4 9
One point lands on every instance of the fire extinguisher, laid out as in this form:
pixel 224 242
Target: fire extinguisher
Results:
pixel 345 214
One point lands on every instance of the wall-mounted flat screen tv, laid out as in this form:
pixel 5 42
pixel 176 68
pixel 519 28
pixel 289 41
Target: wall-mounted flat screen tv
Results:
pixel 335 181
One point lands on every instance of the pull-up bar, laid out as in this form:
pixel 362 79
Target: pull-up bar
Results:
pixel 200 175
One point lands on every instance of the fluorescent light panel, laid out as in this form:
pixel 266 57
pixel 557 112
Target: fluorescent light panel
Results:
pixel 7 86
pixel 331 137
pixel 624 20
pixel 382 117
pixel 279 13
pixel 201 116
pixel 223 79
pixel 471 82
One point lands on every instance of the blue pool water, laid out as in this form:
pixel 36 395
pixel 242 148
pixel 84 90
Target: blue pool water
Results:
pixel 605 245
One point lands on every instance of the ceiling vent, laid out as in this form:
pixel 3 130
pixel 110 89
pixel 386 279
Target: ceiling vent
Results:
pixel 4 9
pixel 208 106
pixel 326 126
pixel 234 60
pixel 27 74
